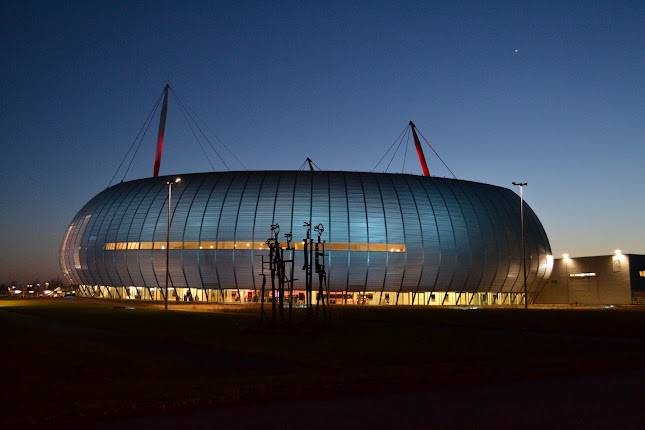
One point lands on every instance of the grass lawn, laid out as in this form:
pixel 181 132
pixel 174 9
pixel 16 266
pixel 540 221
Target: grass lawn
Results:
pixel 81 361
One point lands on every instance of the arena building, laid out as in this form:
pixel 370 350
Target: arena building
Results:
pixel 390 238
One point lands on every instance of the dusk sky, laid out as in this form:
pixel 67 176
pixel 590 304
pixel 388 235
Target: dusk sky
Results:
pixel 552 93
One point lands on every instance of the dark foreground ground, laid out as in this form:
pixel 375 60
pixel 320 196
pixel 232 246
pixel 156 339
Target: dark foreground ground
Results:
pixel 86 364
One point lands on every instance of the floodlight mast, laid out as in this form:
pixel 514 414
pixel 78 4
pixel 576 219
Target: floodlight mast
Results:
pixel 170 183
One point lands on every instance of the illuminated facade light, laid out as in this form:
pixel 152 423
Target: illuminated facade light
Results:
pixel 230 245
pixel 618 255
pixel 582 275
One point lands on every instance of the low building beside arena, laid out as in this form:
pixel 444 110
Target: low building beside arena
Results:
pixel 617 279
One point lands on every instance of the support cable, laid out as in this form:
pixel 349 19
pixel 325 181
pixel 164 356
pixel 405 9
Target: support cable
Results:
pixel 217 138
pixel 134 155
pixel 195 122
pixel 303 165
pixel 405 154
pixel 138 138
pixel 437 154
pixel 397 148
pixel 199 142
pixel 390 148
pixel 183 106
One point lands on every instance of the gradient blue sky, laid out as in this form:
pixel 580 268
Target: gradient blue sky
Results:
pixel 336 81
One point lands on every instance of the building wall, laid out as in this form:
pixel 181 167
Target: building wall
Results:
pixel 589 281
pixel 384 232
pixel 637 276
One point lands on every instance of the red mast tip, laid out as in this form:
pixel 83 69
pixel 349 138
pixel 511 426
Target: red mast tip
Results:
pixel 417 144
pixel 162 131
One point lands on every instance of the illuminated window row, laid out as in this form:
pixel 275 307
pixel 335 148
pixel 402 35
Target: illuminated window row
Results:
pixel 582 275
pixel 227 244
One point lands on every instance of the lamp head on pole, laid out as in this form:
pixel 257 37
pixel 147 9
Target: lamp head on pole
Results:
pixel 174 181
pixel 520 184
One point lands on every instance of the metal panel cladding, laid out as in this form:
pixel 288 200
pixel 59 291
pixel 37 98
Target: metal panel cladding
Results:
pixel 385 232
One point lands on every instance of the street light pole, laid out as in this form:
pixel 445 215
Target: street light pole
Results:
pixel 567 259
pixel 522 185
pixel 170 184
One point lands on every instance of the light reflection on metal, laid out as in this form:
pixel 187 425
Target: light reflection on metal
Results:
pixel 220 217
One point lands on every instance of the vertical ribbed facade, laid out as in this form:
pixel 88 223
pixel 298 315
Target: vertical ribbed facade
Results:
pixel 386 232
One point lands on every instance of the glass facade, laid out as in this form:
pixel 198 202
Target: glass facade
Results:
pixel 419 239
